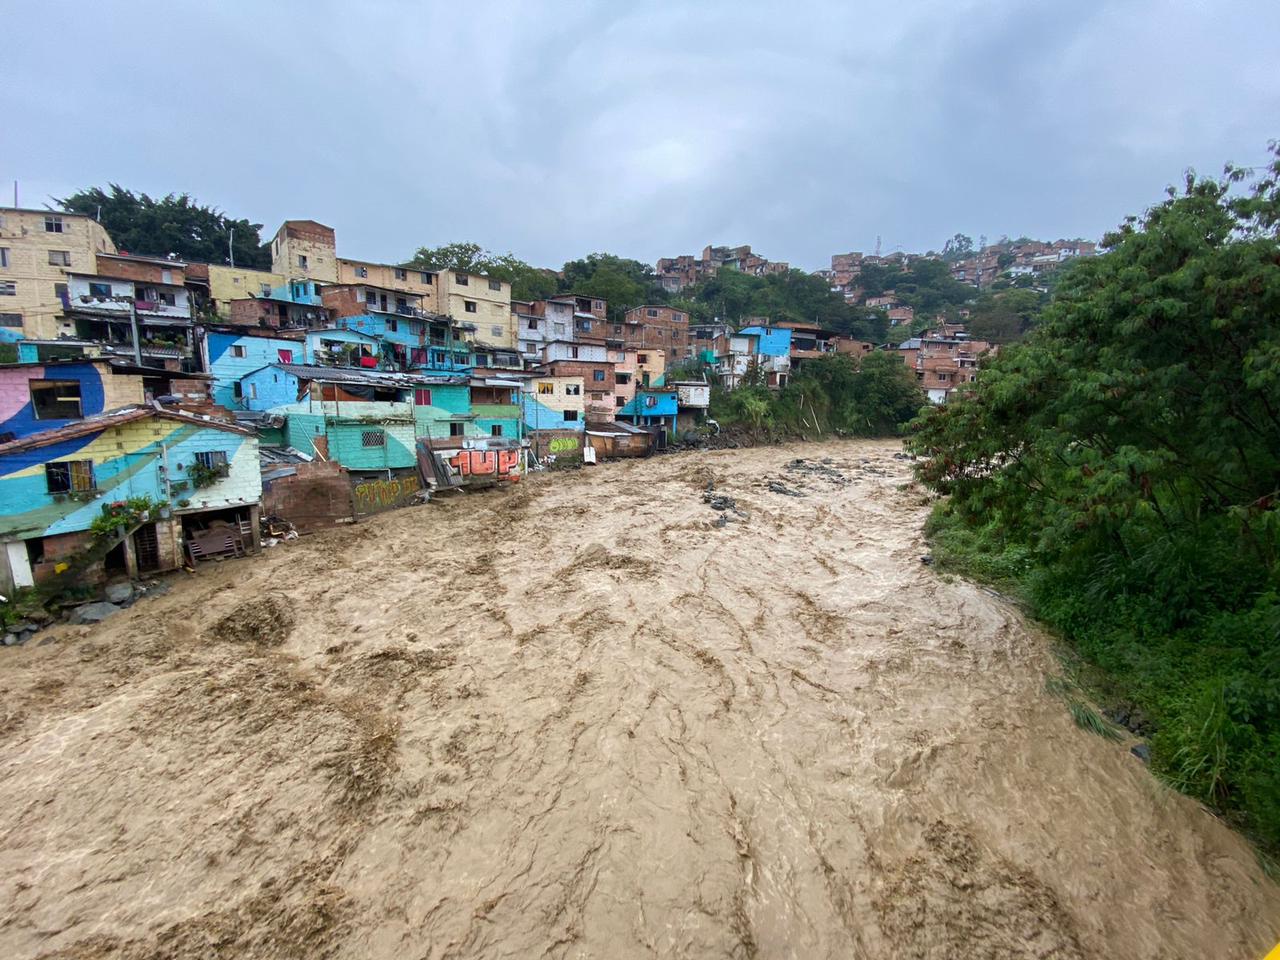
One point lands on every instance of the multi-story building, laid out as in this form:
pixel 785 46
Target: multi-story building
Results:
pixel 942 364
pixel 483 301
pixel 305 249
pixel 408 280
pixel 676 273
pixel 229 284
pixel 37 249
pixel 658 327
pixel 591 362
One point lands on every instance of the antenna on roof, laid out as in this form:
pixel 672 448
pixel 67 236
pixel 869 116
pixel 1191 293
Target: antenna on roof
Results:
pixel 877 244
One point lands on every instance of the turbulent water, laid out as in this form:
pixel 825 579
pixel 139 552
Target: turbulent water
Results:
pixel 585 718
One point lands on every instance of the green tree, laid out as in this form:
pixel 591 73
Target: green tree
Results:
pixel 957 248
pixel 1130 448
pixel 173 224
pixel 1004 316
pixel 527 282
pixel 622 282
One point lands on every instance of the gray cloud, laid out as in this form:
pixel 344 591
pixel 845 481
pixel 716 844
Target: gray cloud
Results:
pixel 556 129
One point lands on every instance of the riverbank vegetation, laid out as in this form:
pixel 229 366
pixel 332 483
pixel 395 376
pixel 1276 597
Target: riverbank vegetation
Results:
pixel 1120 469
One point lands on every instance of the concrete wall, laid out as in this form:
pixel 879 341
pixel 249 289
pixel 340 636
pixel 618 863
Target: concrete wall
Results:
pixel 492 314
pixel 233 283
pixel 420 283
pixel 35 299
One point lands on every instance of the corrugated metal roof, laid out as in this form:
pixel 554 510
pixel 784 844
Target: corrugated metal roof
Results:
pixel 375 378
pixel 115 418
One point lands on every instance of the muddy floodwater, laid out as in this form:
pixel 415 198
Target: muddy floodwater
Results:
pixel 592 716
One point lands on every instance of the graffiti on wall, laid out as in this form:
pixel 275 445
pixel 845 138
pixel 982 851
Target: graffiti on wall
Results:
pixel 373 495
pixel 563 445
pixel 499 464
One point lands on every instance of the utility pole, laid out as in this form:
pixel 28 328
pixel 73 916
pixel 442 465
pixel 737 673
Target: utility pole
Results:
pixel 231 248
pixel 133 325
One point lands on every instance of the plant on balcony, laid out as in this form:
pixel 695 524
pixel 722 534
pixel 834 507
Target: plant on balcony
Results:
pixel 202 476
pixel 122 513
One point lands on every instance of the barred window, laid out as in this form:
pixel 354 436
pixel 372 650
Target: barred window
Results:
pixel 69 476
pixel 373 438
pixel 212 459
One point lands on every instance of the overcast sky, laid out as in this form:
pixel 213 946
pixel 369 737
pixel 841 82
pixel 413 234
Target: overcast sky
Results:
pixel 645 129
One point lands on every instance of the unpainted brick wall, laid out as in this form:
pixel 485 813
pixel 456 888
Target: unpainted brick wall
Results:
pixel 318 496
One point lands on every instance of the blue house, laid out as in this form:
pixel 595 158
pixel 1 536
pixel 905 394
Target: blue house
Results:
pixel 652 408
pixel 231 352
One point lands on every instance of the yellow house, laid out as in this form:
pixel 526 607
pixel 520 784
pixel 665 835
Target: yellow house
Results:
pixel 420 283
pixel 236 283
pixel 38 248
pixel 469 298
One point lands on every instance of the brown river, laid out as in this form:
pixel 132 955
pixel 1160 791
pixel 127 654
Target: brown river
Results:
pixel 581 718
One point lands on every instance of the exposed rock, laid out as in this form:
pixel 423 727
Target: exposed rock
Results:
pixel 121 592
pixel 1141 751
pixel 93 612
pixel 11 639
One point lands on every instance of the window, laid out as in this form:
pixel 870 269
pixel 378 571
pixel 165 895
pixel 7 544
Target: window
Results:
pixel 69 476
pixel 495 430
pixel 253 393
pixel 586 325
pixel 546 389
pixel 573 389
pixel 651 401
pixel 678 317
pixel 373 438
pixel 401 274
pixel 422 397
pixel 239 350
pixel 619 401
pixel 402 304
pixel 302 260
pixel 426 278
pixel 53 225
pixel 237 390
pixel 8 288
pixel 642 358
pixel 285 356
pixel 495 284
pixel 10 319
pixel 392 325
pixel 597 304
pixel 496 330
pixel 651 313
pixel 265 289
pixel 55 399
pixel 99 289
pixel 457 429
pixel 370 297
pixel 573 352
pixel 469 306
pixel 362 271
pixel 570 415
pixel 533 323
pixel 4 256
pixel 213 460
pixel 460 279
pixel 598 375
pixel 617 328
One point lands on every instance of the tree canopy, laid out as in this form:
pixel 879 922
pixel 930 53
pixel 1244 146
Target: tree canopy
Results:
pixel 1129 447
pixel 527 282
pixel 174 224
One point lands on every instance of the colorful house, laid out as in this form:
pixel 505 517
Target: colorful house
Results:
pixel 55 483
pixel 369 420
pixel 554 412
pixel 652 408
pixel 231 352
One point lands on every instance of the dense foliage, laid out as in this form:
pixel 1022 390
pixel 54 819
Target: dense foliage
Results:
pixel 733 297
pixel 831 394
pixel 527 282
pixel 174 224
pixel 1122 466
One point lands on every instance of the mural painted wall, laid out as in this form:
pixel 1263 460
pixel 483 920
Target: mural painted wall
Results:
pixel 119 462
pixel 554 403
pixel 94 385
pixel 373 494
